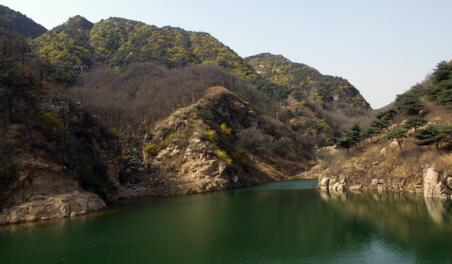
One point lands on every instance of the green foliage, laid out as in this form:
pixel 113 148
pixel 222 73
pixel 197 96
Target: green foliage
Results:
pixel 345 143
pixel 409 103
pixel 434 135
pixel 431 135
pixel 211 135
pixel 77 45
pixel 284 77
pixel 398 134
pixel 224 156
pixel 441 92
pixel 354 134
pixel 414 122
pixel 442 72
pixel 368 132
pixel 225 129
pixel 150 149
pixel 52 119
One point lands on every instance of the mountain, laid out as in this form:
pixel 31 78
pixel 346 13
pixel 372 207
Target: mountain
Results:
pixel 303 81
pixel 318 105
pixel 78 45
pixel 20 23
pixel 55 158
pixel 406 148
pixel 120 109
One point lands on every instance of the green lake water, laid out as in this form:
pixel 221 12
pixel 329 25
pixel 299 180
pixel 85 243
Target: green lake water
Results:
pixel 285 222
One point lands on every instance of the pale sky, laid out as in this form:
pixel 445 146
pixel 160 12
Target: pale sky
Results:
pixel 383 47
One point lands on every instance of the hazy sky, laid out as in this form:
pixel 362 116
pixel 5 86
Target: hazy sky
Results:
pixel 383 47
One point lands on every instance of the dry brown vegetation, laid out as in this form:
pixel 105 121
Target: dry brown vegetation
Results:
pixel 145 93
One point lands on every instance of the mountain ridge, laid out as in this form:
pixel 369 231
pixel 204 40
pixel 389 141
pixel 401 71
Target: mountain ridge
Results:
pixel 19 22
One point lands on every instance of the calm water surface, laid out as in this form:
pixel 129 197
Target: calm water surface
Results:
pixel 286 222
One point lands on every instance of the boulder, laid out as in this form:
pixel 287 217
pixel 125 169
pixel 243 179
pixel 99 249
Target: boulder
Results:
pixel 394 144
pixel 434 187
pixel 57 206
pixel 356 188
pixel 324 183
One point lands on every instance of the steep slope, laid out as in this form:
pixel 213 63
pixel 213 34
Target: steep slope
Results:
pixel 316 105
pixel 56 160
pixel 217 143
pixel 405 149
pixel 20 23
pixel 333 97
pixel 77 45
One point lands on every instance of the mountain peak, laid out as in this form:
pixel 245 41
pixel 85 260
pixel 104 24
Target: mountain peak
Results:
pixel 79 22
pixel 20 23
pixel 268 55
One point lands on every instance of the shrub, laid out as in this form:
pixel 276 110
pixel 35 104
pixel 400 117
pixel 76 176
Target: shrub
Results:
pixel 52 119
pixel 414 122
pixel 224 156
pixel 150 149
pixel 211 135
pixel 253 140
pixel 225 129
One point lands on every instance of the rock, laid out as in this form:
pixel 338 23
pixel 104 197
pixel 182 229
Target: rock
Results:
pixel 324 183
pixel 375 163
pixel 356 188
pixel 374 182
pixel 56 206
pixel 449 182
pixel 394 144
pixel 383 151
pixel 434 187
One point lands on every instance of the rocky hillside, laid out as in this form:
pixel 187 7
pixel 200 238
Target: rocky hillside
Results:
pixel 95 112
pixel 218 143
pixel 316 104
pixel 406 148
pixel 333 98
pixel 20 23
pixel 56 160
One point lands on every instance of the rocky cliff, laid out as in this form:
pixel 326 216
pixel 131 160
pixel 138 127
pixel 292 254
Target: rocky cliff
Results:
pixel 214 145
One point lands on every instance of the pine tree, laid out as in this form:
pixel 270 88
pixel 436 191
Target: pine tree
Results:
pixel 432 135
pixel 414 122
pixel 398 134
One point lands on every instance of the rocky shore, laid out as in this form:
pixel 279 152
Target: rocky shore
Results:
pixel 432 185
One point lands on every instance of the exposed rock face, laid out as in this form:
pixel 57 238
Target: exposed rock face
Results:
pixel 49 207
pixel 434 186
pixel 195 149
pixel 43 188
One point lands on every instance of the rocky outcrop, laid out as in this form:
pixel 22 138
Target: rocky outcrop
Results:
pixel 196 149
pixel 434 186
pixel 50 207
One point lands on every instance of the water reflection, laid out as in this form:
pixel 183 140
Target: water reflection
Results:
pixel 440 211
pixel 403 219
pixel 277 223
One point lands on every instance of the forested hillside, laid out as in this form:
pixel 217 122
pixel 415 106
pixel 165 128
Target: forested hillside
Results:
pixel 405 148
